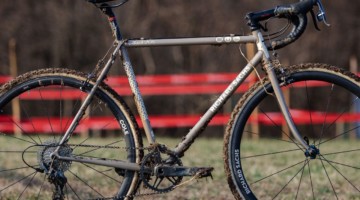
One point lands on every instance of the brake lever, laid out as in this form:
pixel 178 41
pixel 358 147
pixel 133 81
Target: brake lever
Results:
pixel 321 16
pixel 314 20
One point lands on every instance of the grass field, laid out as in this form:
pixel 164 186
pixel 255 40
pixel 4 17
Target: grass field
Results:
pixel 205 152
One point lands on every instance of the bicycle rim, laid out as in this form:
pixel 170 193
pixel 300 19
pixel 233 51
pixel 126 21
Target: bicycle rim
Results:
pixel 35 113
pixel 266 162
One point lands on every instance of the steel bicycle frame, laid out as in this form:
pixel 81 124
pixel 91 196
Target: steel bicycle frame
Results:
pixel 261 55
pixel 121 49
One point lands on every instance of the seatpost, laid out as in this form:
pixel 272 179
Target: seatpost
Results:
pixel 107 10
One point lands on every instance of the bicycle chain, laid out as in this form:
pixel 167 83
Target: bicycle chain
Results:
pixel 124 148
pixel 117 147
pixel 132 196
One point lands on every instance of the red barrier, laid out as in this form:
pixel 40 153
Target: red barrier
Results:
pixel 42 124
pixel 166 85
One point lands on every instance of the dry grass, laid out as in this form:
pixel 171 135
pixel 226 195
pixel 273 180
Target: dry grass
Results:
pixel 205 152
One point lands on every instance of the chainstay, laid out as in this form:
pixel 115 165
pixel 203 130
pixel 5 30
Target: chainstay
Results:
pixel 115 147
pixel 108 147
pixel 124 148
pixel 121 148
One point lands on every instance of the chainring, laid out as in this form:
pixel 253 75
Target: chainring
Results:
pixel 160 184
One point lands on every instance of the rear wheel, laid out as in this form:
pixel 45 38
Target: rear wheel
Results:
pixel 263 160
pixel 36 110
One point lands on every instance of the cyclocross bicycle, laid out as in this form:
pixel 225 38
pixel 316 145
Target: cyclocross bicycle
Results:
pixel 314 156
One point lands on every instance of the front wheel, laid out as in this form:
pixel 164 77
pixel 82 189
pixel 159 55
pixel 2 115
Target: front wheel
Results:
pixel 36 109
pixel 264 161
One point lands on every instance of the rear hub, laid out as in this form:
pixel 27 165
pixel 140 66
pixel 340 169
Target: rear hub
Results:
pixel 47 163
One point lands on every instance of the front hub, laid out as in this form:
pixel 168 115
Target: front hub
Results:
pixel 312 152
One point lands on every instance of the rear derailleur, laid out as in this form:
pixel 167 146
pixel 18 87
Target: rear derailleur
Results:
pixel 58 179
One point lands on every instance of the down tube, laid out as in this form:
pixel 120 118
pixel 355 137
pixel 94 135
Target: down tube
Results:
pixel 211 112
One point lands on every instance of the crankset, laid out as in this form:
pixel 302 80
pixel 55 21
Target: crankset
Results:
pixel 163 175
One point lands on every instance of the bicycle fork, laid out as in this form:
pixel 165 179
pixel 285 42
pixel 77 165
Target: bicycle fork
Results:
pixel 278 93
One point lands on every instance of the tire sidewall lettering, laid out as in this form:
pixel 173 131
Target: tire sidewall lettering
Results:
pixel 239 173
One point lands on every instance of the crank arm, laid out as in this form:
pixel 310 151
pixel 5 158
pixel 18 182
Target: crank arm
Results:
pixel 103 162
pixel 183 171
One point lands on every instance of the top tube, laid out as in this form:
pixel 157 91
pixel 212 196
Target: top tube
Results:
pixel 216 40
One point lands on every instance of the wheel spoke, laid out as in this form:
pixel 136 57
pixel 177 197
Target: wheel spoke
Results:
pixel 101 172
pixel 311 182
pixel 302 168
pixel 23 182
pixel 309 108
pixel 25 167
pixel 25 133
pixel 66 192
pixel 27 185
pixel 280 129
pixel 345 165
pixel 339 152
pixel 60 109
pixel 18 152
pixel 282 170
pixel 302 173
pixel 42 185
pixel 315 114
pixel 326 113
pixel 76 176
pixel 47 111
pixel 81 143
pixel 88 114
pixel 345 110
pixel 336 136
pixel 32 124
pixel 18 181
pixel 74 109
pixel 272 153
pixel 329 178
pixel 6 135
pixel 71 188
pixel 277 139
pixel 89 138
pixel 341 174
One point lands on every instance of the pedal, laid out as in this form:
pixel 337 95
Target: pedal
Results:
pixel 204 172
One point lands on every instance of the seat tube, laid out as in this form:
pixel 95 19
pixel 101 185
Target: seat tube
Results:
pixel 278 93
pixel 139 102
